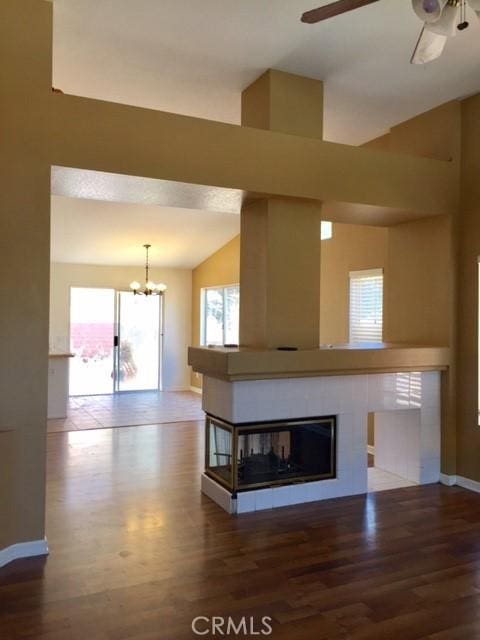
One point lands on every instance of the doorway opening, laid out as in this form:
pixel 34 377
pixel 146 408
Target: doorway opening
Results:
pixel 393 449
pixel 116 338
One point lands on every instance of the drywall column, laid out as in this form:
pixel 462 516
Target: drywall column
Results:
pixel 284 102
pixel 280 274
pixel 421 273
pixel 25 91
pixel 280 237
pixel 468 429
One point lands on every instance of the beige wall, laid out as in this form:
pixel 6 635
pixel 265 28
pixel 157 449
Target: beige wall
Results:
pixel 280 101
pixel 122 139
pixel 468 458
pixel 419 303
pixel 222 267
pixel 418 295
pixel 352 248
pixel 422 299
pixel 7 488
pixel 279 263
pixel 25 81
pixel 178 300
pixel 434 134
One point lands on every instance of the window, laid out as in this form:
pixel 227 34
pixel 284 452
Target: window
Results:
pixel 366 306
pixel 326 230
pixel 220 315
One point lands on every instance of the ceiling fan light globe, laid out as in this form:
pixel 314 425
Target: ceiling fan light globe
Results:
pixel 430 6
pixel 448 22
pixel 429 47
pixel 429 11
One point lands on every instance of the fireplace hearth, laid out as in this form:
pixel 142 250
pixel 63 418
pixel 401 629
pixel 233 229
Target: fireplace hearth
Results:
pixel 242 457
pixel 290 461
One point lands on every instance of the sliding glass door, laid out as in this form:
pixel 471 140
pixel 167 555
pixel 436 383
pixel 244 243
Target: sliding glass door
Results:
pixel 116 340
pixel 138 363
pixel 92 331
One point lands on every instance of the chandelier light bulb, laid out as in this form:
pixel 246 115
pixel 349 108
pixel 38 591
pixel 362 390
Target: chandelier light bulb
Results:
pixel 149 288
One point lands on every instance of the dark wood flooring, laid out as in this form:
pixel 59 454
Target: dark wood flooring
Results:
pixel 137 552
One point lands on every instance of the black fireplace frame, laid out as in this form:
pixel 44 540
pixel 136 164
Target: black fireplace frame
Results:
pixel 245 427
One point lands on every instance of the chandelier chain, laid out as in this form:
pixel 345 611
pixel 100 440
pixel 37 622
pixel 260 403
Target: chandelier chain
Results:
pixel 147 247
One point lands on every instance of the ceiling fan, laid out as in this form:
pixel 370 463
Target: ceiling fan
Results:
pixel 442 19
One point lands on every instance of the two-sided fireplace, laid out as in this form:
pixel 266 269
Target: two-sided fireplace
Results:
pixel 249 456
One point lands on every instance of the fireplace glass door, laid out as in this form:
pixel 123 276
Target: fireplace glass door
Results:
pixel 245 457
pixel 220 451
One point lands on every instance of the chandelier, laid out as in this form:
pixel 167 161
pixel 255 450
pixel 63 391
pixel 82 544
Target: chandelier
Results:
pixel 149 288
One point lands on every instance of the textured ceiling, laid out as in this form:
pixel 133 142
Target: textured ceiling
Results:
pixel 195 57
pixel 113 187
pixel 112 233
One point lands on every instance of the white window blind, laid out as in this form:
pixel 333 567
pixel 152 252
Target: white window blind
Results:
pixel 366 305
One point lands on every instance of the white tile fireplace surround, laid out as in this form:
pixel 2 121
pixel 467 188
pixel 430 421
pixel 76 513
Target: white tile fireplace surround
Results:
pixel 407 429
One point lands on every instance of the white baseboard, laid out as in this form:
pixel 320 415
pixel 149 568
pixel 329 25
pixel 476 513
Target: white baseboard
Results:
pixel 218 494
pixel 23 550
pixel 466 483
pixel 447 480
pixel 196 390
pixel 177 389
pixel 371 449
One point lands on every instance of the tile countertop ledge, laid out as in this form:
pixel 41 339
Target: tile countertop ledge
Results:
pixel 340 359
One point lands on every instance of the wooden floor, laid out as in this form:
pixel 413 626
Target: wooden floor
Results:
pixel 137 553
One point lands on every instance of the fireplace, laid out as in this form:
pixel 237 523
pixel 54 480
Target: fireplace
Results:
pixel 248 456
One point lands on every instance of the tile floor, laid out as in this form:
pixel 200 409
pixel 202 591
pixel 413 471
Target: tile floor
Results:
pixel 380 480
pixel 129 409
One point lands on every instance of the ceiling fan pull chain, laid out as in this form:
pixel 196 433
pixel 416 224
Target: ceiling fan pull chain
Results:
pixel 463 16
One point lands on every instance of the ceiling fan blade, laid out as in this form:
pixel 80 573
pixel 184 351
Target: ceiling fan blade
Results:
pixel 333 9
pixel 429 47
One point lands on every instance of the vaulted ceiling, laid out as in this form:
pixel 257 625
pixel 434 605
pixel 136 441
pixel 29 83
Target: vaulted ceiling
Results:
pixel 195 57
pixel 112 233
